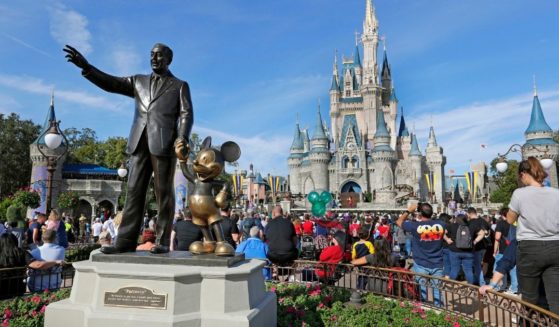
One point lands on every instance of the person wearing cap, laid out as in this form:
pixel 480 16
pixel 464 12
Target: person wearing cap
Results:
pixel 49 251
pixel 148 241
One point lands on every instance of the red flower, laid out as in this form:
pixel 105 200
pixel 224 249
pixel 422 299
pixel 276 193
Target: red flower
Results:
pixel 314 292
pixel 327 299
pixel 402 304
pixel 321 305
pixel 7 313
pixel 448 318
pixel 6 323
pixel 43 309
pixel 34 313
pixel 423 316
pixel 273 289
pixel 334 318
pixel 36 299
pixel 456 324
pixel 291 309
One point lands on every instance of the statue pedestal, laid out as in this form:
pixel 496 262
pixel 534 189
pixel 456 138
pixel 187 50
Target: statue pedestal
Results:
pixel 175 289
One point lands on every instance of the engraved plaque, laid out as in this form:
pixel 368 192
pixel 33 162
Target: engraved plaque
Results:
pixel 136 297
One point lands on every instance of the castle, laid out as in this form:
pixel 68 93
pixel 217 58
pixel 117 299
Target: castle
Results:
pixel 364 151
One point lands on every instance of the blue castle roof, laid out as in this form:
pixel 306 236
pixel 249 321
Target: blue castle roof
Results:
pixel 334 86
pixel 350 122
pixel 414 151
pixel 403 131
pixel 46 125
pixel 381 131
pixel 356 57
pixel 298 143
pixel 319 133
pixel 537 119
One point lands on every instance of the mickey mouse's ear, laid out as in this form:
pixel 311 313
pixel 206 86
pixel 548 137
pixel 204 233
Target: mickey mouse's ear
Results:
pixel 207 143
pixel 230 151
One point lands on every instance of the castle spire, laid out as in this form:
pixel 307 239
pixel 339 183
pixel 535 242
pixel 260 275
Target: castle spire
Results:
pixel 298 143
pixel 335 76
pixel 319 133
pixel 432 139
pixel 370 22
pixel 414 151
pixel 51 116
pixel 403 131
pixel 537 119
pixel 369 39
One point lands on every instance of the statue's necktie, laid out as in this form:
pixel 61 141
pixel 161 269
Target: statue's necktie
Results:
pixel 154 85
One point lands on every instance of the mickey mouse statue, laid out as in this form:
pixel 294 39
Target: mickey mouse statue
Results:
pixel 209 163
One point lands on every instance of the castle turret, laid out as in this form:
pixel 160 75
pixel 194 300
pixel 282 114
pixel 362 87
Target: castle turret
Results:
pixel 319 155
pixel 335 93
pixel 386 81
pixel 383 156
pixel 539 139
pixel 403 144
pixel 370 39
pixel 39 174
pixel 294 161
pixel 436 162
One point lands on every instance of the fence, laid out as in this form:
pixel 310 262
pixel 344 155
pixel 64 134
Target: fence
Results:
pixel 22 280
pixel 493 309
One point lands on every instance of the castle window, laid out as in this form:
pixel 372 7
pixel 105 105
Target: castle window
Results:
pixel 355 162
pixel 347 93
pixel 345 162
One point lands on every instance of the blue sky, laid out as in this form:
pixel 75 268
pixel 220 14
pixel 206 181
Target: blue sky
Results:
pixel 467 66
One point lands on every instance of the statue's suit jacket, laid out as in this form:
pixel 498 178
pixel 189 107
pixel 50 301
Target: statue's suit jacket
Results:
pixel 165 116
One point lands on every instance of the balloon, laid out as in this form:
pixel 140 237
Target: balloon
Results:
pixel 313 197
pixel 325 197
pixel 318 209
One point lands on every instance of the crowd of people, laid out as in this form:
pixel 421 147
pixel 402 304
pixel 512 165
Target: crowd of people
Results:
pixel 514 250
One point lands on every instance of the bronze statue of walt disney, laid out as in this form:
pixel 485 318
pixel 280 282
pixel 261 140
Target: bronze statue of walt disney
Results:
pixel 209 163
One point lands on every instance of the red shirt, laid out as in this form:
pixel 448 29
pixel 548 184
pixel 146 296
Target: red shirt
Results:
pixel 308 227
pixel 332 255
pixel 354 230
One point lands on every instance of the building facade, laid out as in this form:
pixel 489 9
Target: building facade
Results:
pixel 364 150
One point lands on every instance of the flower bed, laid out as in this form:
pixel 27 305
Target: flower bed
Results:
pixel 29 311
pixel 316 305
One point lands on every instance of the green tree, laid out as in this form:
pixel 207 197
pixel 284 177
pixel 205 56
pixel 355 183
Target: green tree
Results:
pixel 506 182
pixel 15 165
pixel 114 151
pixel 83 146
pixel 556 136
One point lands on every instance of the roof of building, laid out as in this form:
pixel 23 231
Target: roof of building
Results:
pixel 51 116
pixel 356 57
pixel 537 119
pixel 432 139
pixel 381 125
pixel 319 133
pixel 298 143
pixel 88 169
pixel 385 72
pixel 350 122
pixel 258 179
pixel 414 151
pixel 403 131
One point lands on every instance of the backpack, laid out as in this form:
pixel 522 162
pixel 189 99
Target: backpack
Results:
pixel 463 238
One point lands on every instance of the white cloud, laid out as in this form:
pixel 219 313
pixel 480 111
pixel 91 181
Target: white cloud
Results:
pixel 267 152
pixel 497 123
pixel 126 60
pixel 8 104
pixel 38 86
pixel 70 27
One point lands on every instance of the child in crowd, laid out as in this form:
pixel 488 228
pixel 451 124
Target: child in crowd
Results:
pixel 362 248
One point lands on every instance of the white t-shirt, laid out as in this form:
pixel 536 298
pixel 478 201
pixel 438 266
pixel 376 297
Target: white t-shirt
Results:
pixel 538 213
pixel 109 226
pixel 97 227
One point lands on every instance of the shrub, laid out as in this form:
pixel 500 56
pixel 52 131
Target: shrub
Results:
pixel 29 311
pixel 68 200
pixel 28 198
pixel 80 253
pixel 316 305
pixel 16 213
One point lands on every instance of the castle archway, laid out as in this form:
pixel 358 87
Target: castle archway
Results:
pixel 351 186
pixel 308 186
pixel 350 194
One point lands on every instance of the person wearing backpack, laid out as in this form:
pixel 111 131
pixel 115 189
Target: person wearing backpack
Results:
pixel 461 239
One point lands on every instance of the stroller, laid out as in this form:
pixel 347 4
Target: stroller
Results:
pixel 308 251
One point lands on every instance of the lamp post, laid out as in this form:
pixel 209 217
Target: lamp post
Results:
pixel 53 137
pixel 546 160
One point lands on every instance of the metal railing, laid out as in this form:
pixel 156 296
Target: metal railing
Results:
pixel 459 298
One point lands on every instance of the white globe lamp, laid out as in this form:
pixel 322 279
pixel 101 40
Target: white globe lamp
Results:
pixel 122 171
pixel 502 166
pixel 546 163
pixel 53 140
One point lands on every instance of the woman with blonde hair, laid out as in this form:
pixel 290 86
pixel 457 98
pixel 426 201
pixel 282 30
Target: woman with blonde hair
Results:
pixel 536 209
